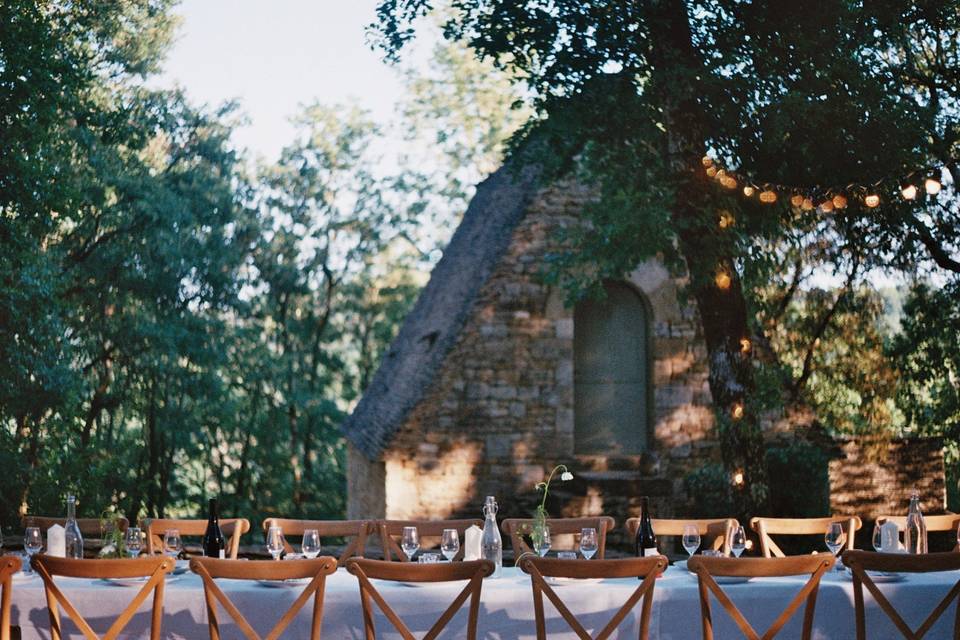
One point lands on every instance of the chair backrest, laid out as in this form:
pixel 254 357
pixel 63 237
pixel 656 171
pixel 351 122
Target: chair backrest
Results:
pixel 800 527
pixel 947 522
pixel 540 568
pixel 706 568
pixel 355 531
pixel 316 570
pixel 718 530
pixel 89 527
pixel 474 571
pixel 861 563
pixel 520 528
pixel 9 565
pixel 232 527
pixel 154 569
pixel 431 530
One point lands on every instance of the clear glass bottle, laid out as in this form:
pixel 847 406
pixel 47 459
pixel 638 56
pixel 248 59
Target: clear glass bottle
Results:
pixel 915 537
pixel 491 544
pixel 72 536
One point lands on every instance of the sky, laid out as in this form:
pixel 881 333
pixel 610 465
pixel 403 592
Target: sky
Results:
pixel 273 55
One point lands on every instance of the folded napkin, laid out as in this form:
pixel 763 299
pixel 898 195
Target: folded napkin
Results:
pixel 57 541
pixel 471 543
pixel 890 537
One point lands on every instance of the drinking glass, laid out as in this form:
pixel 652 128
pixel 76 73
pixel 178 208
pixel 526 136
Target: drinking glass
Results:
pixel 588 542
pixel 410 542
pixel 738 541
pixel 877 536
pixel 172 545
pixel 32 544
pixel 541 543
pixel 133 541
pixel 275 542
pixel 450 544
pixel 835 537
pixel 691 538
pixel 310 545
pixel 958 535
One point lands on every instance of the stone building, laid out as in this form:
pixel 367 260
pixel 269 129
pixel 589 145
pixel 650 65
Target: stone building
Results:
pixel 492 379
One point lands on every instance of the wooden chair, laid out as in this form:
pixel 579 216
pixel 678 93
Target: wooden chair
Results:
pixel 9 565
pixel 317 570
pixel 646 568
pixel 946 523
pixel 154 569
pixel 89 527
pixel 356 531
pixel 474 571
pixel 517 528
pixel 232 527
pixel 718 531
pixel 861 562
pixel 706 568
pixel 800 527
pixel 431 530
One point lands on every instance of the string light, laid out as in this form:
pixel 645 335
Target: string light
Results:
pixel 707 161
pixel 726 219
pixel 909 191
pixel 711 171
pixel 737 478
pixel 737 411
pixel 807 204
pixel 768 196
pixel 723 280
pixel 749 191
pixel 796 200
pixel 826 206
pixel 745 345
pixel 839 202
pixel 872 200
pixel 932 186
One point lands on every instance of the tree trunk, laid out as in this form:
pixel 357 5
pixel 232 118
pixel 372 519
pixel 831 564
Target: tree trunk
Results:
pixel 714 283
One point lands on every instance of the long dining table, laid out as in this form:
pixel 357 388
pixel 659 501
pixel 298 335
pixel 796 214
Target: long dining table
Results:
pixel 506 610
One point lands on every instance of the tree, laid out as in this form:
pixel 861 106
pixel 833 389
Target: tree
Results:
pixel 635 94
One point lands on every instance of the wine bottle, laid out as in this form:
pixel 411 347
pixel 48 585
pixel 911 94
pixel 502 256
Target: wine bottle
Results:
pixel 646 543
pixel 213 546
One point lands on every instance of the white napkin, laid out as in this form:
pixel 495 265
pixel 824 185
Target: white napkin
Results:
pixel 471 543
pixel 57 541
pixel 890 537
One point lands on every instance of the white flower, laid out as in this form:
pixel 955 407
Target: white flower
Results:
pixel 565 476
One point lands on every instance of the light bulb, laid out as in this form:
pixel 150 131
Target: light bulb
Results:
pixel 749 191
pixel 826 206
pixel 909 192
pixel 744 345
pixel 723 280
pixel 737 411
pixel 872 200
pixel 768 196
pixel 707 161
pixel 796 200
pixel 726 219
pixel 932 185
pixel 807 204
pixel 711 171
pixel 839 201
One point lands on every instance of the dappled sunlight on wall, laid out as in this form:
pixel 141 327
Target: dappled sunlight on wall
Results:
pixel 436 483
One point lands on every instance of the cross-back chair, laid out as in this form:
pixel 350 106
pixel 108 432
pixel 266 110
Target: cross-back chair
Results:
pixel 541 568
pixel 89 527
pixel 520 528
pixel 861 563
pixel 316 570
pixel 765 527
pixel 9 565
pixel 355 531
pixel 233 528
pixel 707 568
pixel 935 524
pixel 154 569
pixel 718 531
pixel 430 532
pixel 473 571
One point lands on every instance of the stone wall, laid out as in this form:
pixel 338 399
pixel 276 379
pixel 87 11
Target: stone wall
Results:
pixel 366 486
pixel 499 413
pixel 873 478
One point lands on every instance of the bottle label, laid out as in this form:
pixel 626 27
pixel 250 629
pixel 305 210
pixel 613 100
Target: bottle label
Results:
pixel 650 551
pixel 222 554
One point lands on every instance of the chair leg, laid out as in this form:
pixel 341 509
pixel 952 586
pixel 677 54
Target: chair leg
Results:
pixel 858 608
pixel 705 611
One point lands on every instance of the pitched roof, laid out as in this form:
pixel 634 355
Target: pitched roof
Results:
pixel 432 326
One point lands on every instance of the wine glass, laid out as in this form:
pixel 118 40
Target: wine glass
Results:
pixel 835 537
pixel 133 541
pixel 958 536
pixel 275 542
pixel 410 542
pixel 172 545
pixel 310 545
pixel 450 544
pixel 738 541
pixel 691 538
pixel 32 544
pixel 541 543
pixel 588 542
pixel 877 535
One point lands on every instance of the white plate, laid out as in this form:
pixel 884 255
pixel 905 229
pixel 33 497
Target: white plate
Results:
pixel 560 582
pixel 285 584
pixel 132 582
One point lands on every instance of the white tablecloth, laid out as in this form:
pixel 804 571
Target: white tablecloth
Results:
pixel 506 610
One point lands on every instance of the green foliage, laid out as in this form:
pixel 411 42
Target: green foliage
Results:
pixel 710 491
pixel 801 485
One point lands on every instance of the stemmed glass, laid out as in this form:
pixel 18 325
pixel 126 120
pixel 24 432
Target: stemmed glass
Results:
pixel 738 540
pixel 133 541
pixel 32 544
pixel 541 542
pixel 588 542
pixel 172 545
pixel 310 545
pixel 691 538
pixel 958 535
pixel 835 537
pixel 877 536
pixel 410 542
pixel 275 542
pixel 450 544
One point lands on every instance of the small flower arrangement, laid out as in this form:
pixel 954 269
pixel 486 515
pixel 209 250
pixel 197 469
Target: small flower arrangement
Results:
pixel 540 515
pixel 113 545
